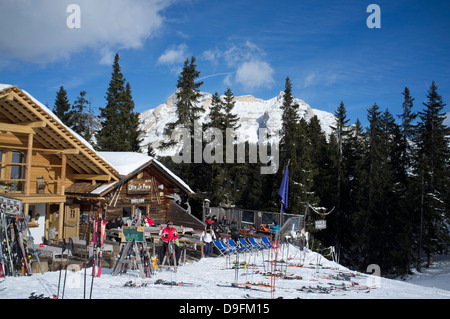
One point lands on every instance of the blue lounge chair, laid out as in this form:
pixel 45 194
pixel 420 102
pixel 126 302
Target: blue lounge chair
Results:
pixel 253 243
pixel 233 245
pixel 223 249
pixel 265 241
pixel 243 243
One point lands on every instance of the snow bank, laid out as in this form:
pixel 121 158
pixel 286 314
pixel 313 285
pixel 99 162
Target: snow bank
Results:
pixel 316 278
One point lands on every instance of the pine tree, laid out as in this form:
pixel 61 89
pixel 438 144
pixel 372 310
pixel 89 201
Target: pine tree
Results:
pixel 231 120
pixel 353 151
pixel 214 171
pixel 120 125
pixel 225 176
pixel 289 149
pixel 80 118
pixel 303 180
pixel 368 217
pixel 188 112
pixel 133 133
pixel 406 215
pixel 432 174
pixel 289 126
pixel 62 108
pixel 187 96
pixel 338 178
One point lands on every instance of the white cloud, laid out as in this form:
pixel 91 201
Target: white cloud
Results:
pixel 254 74
pixel 247 61
pixel 38 32
pixel 325 78
pixel 174 55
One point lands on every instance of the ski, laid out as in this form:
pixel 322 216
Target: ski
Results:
pixel 233 285
pixel 131 284
pixel 21 248
pixel 174 283
pixel 6 245
pixel 94 246
pixel 102 240
pixel 33 295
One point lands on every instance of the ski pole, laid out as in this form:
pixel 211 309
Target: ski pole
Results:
pixel 60 265
pixel 85 263
pixel 69 249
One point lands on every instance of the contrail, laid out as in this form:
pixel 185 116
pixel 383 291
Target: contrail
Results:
pixel 212 75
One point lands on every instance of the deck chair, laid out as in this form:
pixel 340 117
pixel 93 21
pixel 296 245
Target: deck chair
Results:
pixel 243 243
pixel 253 243
pixel 233 245
pixel 222 248
pixel 266 243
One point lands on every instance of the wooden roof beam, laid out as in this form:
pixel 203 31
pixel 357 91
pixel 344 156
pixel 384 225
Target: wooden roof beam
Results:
pixel 15 128
pixel 35 124
pixel 92 177
pixel 55 151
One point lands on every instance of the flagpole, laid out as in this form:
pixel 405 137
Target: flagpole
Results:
pixel 283 192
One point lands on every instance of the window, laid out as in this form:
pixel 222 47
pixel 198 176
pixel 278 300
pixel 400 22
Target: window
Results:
pixel 248 217
pixel 17 173
pixel 126 212
pixel 140 210
pixel 268 218
pixel 12 170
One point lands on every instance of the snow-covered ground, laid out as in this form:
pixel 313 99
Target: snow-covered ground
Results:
pixel 318 278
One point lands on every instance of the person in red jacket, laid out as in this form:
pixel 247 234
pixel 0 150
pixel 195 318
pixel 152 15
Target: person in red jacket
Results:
pixel 170 234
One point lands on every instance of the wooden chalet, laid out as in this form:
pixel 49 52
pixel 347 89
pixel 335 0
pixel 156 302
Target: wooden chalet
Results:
pixel 63 182
pixel 146 187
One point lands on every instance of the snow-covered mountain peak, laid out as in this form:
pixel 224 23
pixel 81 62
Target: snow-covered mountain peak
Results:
pixel 253 112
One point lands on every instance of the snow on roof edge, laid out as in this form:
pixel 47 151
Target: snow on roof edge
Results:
pixel 127 163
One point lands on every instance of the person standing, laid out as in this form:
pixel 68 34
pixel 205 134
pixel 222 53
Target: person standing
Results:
pixel 207 237
pixel 170 234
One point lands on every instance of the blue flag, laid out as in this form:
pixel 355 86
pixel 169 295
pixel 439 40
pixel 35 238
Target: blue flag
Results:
pixel 284 190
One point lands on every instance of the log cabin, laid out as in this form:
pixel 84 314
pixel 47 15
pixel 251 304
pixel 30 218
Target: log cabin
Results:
pixel 63 182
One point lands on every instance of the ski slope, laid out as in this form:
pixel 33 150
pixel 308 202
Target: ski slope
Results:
pixel 318 278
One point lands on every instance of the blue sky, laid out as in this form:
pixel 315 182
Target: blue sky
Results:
pixel 325 47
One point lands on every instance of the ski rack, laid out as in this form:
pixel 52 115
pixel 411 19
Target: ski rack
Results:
pixel 170 254
pixel 124 262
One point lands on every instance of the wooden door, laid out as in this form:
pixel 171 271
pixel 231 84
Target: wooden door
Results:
pixel 71 221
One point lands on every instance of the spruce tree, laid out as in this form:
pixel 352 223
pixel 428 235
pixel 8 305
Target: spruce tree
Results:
pixel 80 118
pixel 188 114
pixel 231 119
pixel 432 174
pixel 338 179
pixel 133 133
pixel 289 149
pixel 120 124
pixel 289 126
pixel 225 177
pixel 187 98
pixel 62 108
pixel 406 215
pixel 368 214
pixel 214 171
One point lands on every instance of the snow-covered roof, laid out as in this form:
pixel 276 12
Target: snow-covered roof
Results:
pixel 4 86
pixel 128 162
pixel 125 162
pixel 87 148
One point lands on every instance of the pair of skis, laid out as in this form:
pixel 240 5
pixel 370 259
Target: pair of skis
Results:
pixel 98 241
pixel 6 253
pixel 13 248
